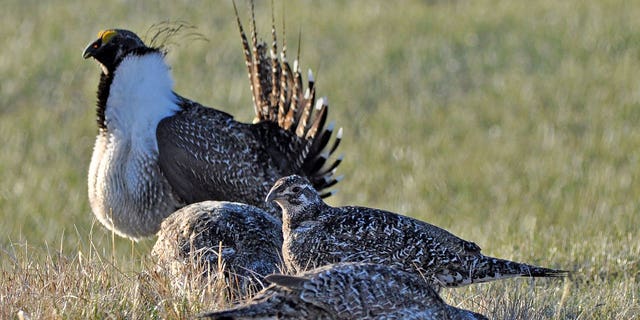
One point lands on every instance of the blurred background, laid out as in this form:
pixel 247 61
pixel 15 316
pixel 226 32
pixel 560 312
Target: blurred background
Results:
pixel 513 124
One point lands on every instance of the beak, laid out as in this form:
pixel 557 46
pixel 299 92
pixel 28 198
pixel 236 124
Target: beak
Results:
pixel 271 195
pixel 90 50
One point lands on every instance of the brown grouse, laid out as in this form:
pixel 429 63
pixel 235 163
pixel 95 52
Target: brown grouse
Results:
pixel 347 291
pixel 316 234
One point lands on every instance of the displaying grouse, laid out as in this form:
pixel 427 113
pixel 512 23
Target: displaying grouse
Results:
pixel 316 234
pixel 156 150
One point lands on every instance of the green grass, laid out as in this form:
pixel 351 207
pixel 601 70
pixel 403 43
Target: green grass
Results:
pixel 513 124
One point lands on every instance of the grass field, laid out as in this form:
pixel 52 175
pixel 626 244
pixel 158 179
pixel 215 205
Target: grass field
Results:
pixel 513 124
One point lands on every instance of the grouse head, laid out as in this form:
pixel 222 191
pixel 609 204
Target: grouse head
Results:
pixel 111 45
pixel 294 193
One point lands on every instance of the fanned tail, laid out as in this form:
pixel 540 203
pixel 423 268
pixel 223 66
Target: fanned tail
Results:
pixel 279 97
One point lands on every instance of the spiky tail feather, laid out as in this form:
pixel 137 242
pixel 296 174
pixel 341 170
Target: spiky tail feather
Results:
pixel 246 312
pixel 279 97
pixel 265 305
pixel 489 269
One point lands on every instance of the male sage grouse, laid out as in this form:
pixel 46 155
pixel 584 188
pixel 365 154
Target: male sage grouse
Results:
pixel 157 150
pixel 317 234
pixel 347 291
pixel 213 242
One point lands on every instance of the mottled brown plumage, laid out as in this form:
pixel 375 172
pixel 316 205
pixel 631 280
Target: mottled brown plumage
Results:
pixel 347 291
pixel 316 234
pixel 201 239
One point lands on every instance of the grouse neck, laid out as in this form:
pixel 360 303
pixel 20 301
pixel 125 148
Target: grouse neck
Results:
pixel 140 95
pixel 300 216
pixel 135 82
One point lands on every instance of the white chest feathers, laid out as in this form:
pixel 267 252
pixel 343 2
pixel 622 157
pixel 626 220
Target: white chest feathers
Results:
pixel 127 190
pixel 141 95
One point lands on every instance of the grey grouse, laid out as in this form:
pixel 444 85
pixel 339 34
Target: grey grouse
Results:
pixel 347 291
pixel 316 234
pixel 198 241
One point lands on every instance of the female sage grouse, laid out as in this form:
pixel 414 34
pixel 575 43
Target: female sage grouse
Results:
pixel 157 150
pixel 317 234
pixel 347 291
pixel 200 240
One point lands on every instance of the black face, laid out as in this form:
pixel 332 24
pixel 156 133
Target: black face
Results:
pixel 111 45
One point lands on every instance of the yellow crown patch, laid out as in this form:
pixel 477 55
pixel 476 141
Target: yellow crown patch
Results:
pixel 106 35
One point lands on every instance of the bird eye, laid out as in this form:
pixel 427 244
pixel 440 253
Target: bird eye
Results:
pixel 295 189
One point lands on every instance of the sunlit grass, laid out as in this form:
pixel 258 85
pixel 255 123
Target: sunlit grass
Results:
pixel 513 124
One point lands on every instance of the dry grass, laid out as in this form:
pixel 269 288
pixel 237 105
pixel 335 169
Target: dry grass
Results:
pixel 513 124
pixel 43 283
